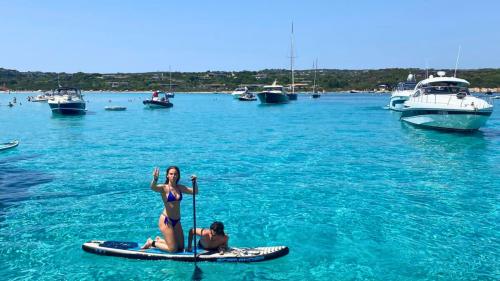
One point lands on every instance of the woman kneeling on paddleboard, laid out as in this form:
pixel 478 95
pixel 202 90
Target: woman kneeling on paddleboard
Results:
pixel 211 239
pixel 170 219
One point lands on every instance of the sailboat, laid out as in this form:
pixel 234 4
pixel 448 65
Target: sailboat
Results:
pixel 315 94
pixel 292 95
pixel 170 94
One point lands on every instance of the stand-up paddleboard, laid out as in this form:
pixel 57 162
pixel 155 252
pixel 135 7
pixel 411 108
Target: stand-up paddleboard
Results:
pixel 132 250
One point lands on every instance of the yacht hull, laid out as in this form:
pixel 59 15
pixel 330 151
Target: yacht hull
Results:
pixel 157 104
pixel 270 98
pixel 292 96
pixel 397 103
pixel 75 108
pixel 457 120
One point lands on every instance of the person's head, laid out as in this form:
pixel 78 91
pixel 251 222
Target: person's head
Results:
pixel 218 228
pixel 174 174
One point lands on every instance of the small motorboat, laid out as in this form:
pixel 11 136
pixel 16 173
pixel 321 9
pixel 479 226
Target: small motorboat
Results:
pixel 40 98
pixel 115 108
pixel 402 93
pixel 8 145
pixel 239 92
pixel 247 97
pixel 157 102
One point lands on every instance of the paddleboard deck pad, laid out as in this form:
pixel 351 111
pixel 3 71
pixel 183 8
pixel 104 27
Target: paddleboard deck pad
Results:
pixel 132 250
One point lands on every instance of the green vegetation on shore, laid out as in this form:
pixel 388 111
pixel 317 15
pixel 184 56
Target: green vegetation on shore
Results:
pixel 329 79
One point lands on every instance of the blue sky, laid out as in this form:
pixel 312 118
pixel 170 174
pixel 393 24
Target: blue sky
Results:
pixel 138 36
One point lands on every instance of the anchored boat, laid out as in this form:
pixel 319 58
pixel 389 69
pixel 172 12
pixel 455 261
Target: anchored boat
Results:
pixel 67 101
pixel 158 102
pixel 402 93
pixel 273 94
pixel 445 103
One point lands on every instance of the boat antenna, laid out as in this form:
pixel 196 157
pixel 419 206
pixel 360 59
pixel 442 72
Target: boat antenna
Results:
pixel 291 60
pixel 58 83
pixel 456 63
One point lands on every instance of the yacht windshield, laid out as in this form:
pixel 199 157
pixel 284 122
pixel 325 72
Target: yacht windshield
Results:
pixel 67 91
pixel 444 90
pixel 273 88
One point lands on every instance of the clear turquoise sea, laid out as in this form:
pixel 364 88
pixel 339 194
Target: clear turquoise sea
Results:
pixel 355 193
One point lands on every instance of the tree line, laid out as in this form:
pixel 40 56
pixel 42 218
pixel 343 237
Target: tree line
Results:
pixel 327 79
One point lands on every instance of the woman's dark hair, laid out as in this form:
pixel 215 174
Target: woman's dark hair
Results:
pixel 178 173
pixel 218 228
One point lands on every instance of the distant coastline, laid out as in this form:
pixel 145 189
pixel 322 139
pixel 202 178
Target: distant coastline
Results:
pixel 329 80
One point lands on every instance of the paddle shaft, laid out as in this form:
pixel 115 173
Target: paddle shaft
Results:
pixel 194 219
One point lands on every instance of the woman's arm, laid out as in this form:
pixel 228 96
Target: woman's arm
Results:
pixel 193 190
pixel 225 246
pixel 154 183
pixel 199 231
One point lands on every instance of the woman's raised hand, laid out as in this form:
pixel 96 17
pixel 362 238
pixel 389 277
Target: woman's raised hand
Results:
pixel 193 178
pixel 156 173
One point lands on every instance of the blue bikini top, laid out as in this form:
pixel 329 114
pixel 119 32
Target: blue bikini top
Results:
pixel 171 197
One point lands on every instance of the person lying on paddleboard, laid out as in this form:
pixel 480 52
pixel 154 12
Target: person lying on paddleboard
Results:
pixel 212 238
pixel 170 218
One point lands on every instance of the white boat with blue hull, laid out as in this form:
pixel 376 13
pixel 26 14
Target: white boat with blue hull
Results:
pixel 132 250
pixel 445 103
pixel 67 101
pixel 273 94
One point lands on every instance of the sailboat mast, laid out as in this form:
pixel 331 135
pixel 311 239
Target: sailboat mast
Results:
pixel 315 65
pixel 291 61
pixel 170 79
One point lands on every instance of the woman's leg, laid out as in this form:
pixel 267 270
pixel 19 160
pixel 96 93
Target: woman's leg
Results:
pixel 179 235
pixel 170 243
pixel 148 244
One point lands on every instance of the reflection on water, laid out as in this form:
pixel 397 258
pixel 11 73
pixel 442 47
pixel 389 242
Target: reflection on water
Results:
pixel 15 182
pixel 69 118
pixel 445 140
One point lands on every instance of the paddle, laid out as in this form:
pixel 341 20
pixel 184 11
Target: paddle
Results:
pixel 197 273
pixel 193 181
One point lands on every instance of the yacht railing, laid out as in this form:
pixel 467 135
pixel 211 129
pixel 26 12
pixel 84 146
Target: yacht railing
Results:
pixel 430 95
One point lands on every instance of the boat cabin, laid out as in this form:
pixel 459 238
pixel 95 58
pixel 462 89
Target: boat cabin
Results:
pixel 442 86
pixel 67 91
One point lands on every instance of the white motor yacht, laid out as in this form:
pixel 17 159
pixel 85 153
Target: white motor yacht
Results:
pixel 67 101
pixel 239 92
pixel 402 93
pixel 445 103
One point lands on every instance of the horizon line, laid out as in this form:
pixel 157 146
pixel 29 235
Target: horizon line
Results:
pixel 265 69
